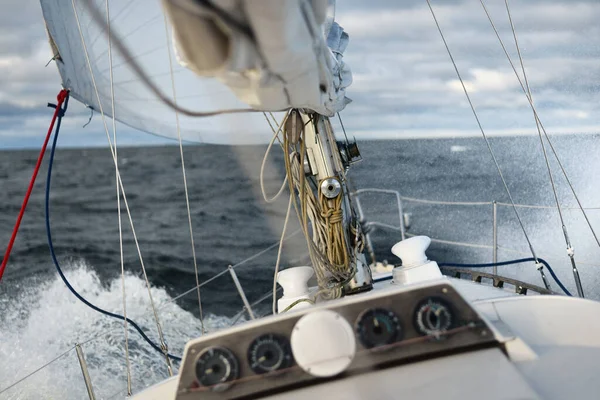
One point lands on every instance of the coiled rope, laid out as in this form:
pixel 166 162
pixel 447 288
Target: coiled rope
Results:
pixel 325 232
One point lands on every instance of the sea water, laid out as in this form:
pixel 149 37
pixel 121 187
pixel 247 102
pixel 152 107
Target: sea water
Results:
pixel 40 319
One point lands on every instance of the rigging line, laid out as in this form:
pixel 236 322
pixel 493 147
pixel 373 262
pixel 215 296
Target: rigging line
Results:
pixel 343 129
pixel 90 118
pixel 276 124
pixel 537 124
pixel 37 370
pixel 252 257
pixel 538 120
pixel 241 313
pixel 277 262
pixel 110 145
pixel 487 142
pixel 61 97
pixel 264 162
pixel 206 282
pixel 126 54
pixel 121 257
pixel 527 91
pixel 55 259
pixel 185 185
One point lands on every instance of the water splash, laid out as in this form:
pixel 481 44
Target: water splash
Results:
pixel 44 319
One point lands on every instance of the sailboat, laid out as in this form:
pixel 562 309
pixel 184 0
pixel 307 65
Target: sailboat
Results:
pixel 348 324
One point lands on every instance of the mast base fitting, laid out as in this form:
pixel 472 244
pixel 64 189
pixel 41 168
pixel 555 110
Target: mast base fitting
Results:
pixel 362 280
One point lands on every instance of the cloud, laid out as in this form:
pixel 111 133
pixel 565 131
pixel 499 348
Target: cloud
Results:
pixel 403 79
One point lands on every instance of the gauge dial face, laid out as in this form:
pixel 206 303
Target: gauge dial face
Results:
pixel 433 317
pixel 378 327
pixel 268 353
pixel 215 366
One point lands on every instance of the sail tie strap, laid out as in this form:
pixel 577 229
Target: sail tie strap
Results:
pixel 60 99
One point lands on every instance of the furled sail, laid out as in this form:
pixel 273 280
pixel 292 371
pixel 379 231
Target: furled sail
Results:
pixel 266 74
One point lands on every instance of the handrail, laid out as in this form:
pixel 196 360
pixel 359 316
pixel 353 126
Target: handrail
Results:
pixel 482 203
pixel 498 281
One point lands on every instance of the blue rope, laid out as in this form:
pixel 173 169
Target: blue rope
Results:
pixel 519 261
pixel 53 254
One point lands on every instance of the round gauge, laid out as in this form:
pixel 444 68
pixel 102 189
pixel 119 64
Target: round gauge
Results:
pixel 268 353
pixel 215 366
pixel 378 327
pixel 433 317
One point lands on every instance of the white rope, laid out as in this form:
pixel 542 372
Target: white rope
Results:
pixel 281 240
pixel 114 127
pixel 264 161
pixel 112 151
pixel 326 243
pixel 185 186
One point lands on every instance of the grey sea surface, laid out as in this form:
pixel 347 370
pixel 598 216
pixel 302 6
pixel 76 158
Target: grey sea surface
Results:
pixel 231 222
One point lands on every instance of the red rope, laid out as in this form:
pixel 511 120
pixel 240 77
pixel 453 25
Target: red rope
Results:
pixel 62 95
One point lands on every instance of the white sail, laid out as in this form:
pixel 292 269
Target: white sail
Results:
pixel 75 37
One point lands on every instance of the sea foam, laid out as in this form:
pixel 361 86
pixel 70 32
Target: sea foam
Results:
pixel 44 320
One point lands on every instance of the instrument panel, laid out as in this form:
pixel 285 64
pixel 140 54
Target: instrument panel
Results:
pixel 348 336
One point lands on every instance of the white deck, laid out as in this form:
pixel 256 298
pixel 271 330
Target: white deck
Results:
pixel 552 352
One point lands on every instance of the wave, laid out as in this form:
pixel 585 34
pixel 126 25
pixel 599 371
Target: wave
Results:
pixel 43 319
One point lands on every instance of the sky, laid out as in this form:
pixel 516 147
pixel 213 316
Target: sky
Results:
pixel 404 83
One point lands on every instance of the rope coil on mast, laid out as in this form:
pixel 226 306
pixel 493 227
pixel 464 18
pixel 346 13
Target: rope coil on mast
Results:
pixel 321 218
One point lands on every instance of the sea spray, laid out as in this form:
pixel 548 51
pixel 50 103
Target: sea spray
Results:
pixel 44 320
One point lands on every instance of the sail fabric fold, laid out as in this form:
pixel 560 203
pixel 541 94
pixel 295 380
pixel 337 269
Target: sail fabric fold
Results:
pixel 273 54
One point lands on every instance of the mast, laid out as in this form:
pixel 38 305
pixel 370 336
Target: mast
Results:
pixel 317 169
